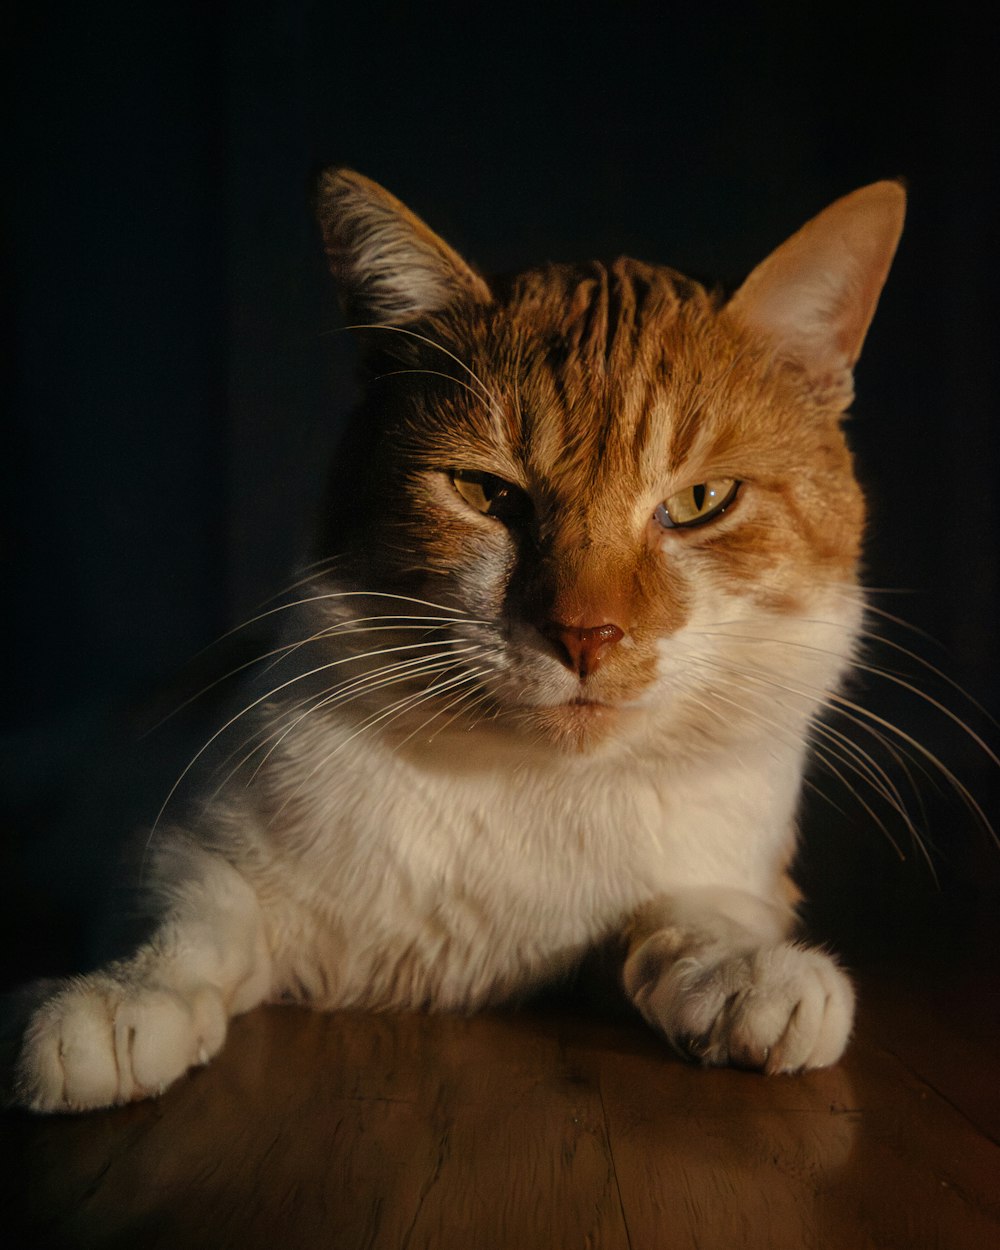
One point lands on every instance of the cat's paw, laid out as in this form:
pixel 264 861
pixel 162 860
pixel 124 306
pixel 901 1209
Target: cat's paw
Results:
pixel 100 1041
pixel 780 1008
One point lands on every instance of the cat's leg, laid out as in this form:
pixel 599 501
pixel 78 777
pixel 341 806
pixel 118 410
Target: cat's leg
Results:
pixel 130 1029
pixel 713 972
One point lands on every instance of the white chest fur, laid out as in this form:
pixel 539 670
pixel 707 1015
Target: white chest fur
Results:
pixel 455 874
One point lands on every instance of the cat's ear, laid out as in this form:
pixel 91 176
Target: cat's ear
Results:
pixel 815 296
pixel 391 267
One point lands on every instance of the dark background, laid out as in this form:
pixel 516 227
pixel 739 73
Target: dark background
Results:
pixel 176 393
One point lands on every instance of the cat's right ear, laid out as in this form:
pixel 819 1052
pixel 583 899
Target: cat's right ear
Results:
pixel 391 268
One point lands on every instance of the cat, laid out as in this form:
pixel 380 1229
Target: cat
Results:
pixel 597 577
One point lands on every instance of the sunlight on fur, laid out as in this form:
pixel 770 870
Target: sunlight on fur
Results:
pixel 595 582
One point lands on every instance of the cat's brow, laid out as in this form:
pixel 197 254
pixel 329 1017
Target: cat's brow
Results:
pixel 600 355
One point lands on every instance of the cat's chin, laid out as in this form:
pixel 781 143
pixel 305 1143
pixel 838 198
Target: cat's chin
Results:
pixel 579 725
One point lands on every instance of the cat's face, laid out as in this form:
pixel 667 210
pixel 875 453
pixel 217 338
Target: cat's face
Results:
pixel 641 500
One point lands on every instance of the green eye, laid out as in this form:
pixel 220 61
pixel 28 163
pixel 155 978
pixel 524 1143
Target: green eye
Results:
pixel 694 505
pixel 492 496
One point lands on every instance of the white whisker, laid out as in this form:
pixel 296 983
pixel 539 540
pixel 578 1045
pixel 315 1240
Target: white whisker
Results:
pixel 484 389
pixel 463 708
pixel 321 568
pixel 393 712
pixel 434 373
pixel 887 675
pixel 844 749
pixel 256 703
pixel 867 720
pixel 341 694
pixel 341 629
pixel 340 595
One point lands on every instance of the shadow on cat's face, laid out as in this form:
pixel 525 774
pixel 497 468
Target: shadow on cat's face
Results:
pixel 636 501
pixel 549 466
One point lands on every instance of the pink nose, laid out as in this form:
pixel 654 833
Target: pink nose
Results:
pixel 582 648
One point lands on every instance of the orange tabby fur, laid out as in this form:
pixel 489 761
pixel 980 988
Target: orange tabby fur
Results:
pixel 579 723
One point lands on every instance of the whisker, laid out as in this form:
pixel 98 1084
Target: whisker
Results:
pixel 339 595
pixel 465 695
pixel 256 703
pixel 372 594
pixel 389 714
pixel 322 568
pixel 959 787
pixel 933 669
pixel 896 620
pixel 340 629
pixel 483 698
pixel 484 389
pixel 343 692
pixel 897 680
pixel 866 719
pixel 434 373
pixel 340 697
pixel 775 727
pixel 848 758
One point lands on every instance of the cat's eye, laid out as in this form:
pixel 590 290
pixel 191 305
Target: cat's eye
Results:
pixel 492 496
pixel 694 505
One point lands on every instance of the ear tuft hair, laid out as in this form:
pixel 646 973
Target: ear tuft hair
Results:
pixel 391 268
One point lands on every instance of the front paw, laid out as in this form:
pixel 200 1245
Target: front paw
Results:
pixel 780 1008
pixel 100 1041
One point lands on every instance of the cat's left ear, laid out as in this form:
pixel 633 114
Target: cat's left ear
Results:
pixel 815 296
pixel 391 268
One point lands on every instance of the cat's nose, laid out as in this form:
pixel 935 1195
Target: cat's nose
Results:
pixel 582 647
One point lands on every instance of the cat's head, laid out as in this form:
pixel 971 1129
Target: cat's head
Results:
pixel 639 492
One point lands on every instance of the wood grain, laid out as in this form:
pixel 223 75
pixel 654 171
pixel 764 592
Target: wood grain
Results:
pixel 509 1131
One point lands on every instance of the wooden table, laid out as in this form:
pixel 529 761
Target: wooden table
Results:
pixel 545 1127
